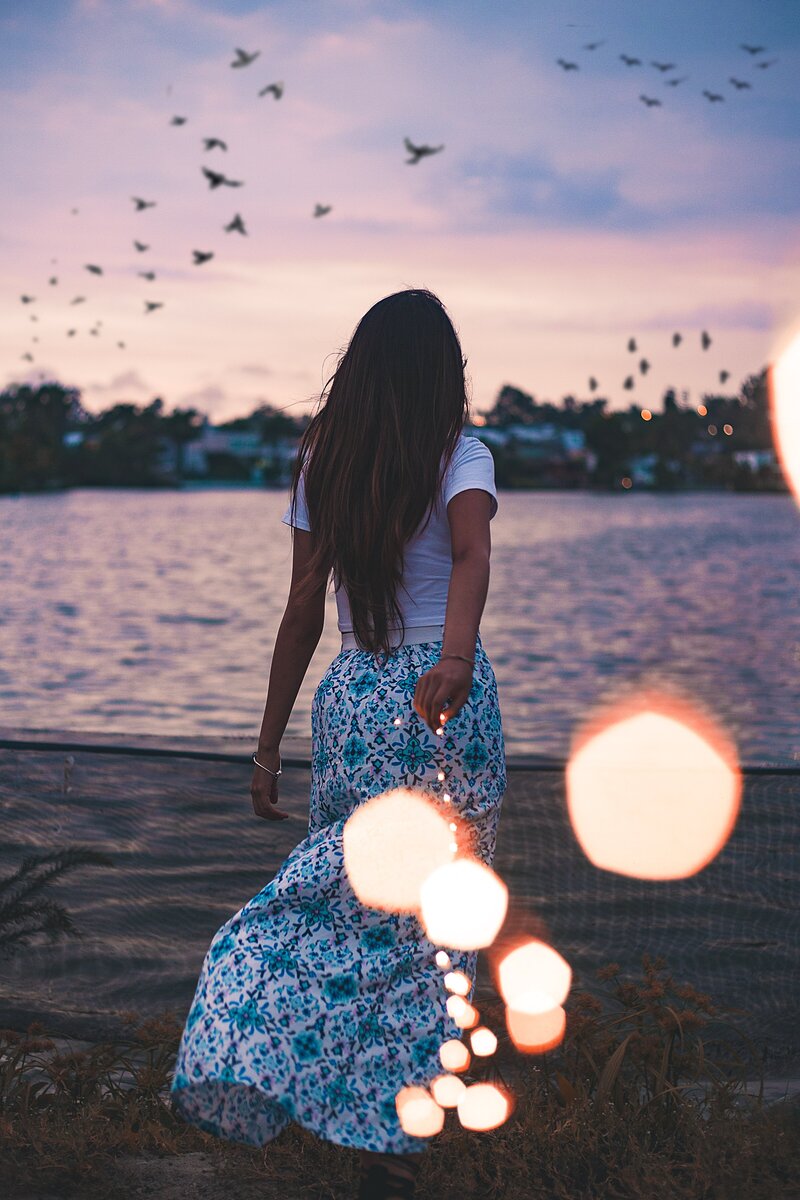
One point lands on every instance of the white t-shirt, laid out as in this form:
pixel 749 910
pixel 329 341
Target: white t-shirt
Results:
pixel 422 595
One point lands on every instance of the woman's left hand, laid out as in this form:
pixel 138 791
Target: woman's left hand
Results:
pixel 264 787
pixel 442 691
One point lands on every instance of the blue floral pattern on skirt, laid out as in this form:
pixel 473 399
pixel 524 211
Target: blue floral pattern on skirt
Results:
pixel 311 1007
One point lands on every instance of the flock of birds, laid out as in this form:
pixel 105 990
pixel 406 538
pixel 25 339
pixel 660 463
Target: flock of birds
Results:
pixel 674 80
pixel 644 364
pixel 215 179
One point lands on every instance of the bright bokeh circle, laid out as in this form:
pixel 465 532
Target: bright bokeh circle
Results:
pixel 463 904
pixel 533 977
pixel 784 398
pixel 483 1106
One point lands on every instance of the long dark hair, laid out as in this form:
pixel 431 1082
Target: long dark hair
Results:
pixel 375 452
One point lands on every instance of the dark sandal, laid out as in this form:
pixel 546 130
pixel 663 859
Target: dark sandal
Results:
pixel 381 1182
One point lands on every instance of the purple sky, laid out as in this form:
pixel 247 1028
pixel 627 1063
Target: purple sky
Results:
pixel 562 217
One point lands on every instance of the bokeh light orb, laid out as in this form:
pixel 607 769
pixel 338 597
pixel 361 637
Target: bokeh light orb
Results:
pixel 653 792
pixel 484 1106
pixel 535 1032
pixel 483 1041
pixel 466 1016
pixel 463 904
pixel 447 1090
pixel 454 1055
pixel 533 977
pixel 418 1112
pixel 784 398
pixel 458 982
pixel 391 845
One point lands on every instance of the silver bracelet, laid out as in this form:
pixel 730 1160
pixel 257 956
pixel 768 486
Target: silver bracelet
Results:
pixel 471 661
pixel 275 774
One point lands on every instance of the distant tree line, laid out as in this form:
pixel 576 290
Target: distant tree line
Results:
pixel 48 440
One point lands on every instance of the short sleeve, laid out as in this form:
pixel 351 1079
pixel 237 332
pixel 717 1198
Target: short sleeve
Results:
pixel 299 519
pixel 472 466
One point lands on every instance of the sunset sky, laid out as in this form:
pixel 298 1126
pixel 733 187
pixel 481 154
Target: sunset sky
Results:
pixel 562 217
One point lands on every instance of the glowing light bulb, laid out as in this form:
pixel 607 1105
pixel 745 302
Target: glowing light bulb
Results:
pixel 398 721
pixel 483 1041
pixel 442 959
pixel 467 1016
pixel 483 1106
pixel 447 1090
pixel 419 1113
pixel 454 1055
pixel 440 776
pixel 456 1006
pixel 458 982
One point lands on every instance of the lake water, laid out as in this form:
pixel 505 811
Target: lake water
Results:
pixel 137 611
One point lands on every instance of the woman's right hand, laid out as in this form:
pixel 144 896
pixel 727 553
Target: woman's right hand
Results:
pixel 264 787
pixel 442 691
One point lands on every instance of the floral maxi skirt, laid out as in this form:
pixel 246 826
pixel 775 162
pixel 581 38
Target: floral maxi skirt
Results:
pixel 310 1006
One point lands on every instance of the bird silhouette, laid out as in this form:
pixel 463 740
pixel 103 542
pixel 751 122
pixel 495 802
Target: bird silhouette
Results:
pixel 275 88
pixel 27 357
pixel 321 209
pixel 27 299
pixel 152 305
pixel 724 376
pixel 212 143
pixel 121 345
pixel 94 269
pixel 593 45
pixel 202 256
pixel 53 279
pixel 34 339
pixel 216 179
pixel 644 366
pixel 71 332
pixel 140 204
pixel 675 82
pixel 629 383
pixel 179 120
pixel 739 83
pixel 705 340
pixel 34 318
pixel 243 59
pixel 753 49
pixel 418 152
pixel 630 62
pixel 663 66
pixel 94 332
pixel 712 95
pixel 78 300
pixel 567 66
pixel 592 383
pixel 649 101
pixel 140 246
pixel 766 63
pixel 74 212
pixel 149 275
pixel 235 225
pixel 632 345
pixel 677 338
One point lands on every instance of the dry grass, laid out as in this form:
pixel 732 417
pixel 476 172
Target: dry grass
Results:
pixel 646 1097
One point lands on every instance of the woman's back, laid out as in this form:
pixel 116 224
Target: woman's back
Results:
pixel 428 554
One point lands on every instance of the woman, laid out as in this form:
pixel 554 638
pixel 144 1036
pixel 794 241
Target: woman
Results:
pixel 311 1006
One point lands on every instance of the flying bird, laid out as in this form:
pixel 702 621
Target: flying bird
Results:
pixel 418 152
pixel 78 300
pixel 632 345
pixel 675 82
pixel 28 357
pixel 94 269
pixel 644 366
pixel 649 101
pixel 34 318
pixel 121 345
pixel 27 299
pixel 677 338
pixel 739 83
pixel 275 88
pixel 216 179
pixel 592 383
pixel 724 376
pixel 179 120
pixel 243 59
pixel 212 142
pixel 766 63
pixel 53 279
pixel 712 95
pixel 202 256
pixel 628 384
pixel 236 225
pixel 152 305
pixel 753 49
pixel 705 339
pixel 149 275
pixel 140 204
pixel 568 66
pixel 74 212
pixel 94 332
pixel 593 45
pixel 630 62
pixel 71 332
pixel 321 209
pixel 663 66
pixel 140 246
